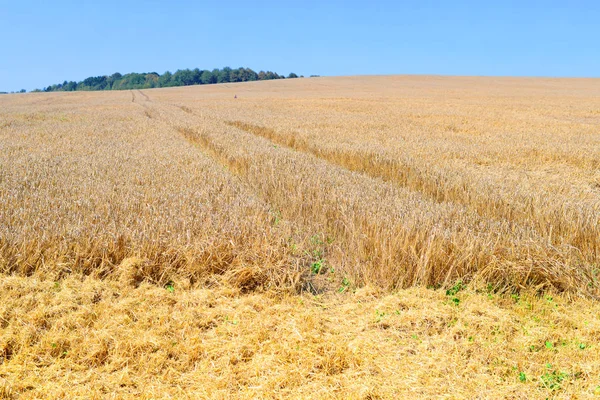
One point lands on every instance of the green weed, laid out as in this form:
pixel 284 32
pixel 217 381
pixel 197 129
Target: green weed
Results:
pixel 522 377
pixel 553 379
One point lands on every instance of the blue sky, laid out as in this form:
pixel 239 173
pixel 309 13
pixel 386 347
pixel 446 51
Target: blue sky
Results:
pixel 46 42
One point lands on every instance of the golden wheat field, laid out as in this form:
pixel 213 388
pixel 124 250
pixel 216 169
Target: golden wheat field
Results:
pixel 350 237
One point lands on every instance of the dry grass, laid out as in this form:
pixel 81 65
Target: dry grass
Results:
pixel 164 243
pixel 89 338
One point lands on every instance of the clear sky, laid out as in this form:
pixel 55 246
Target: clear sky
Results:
pixel 46 42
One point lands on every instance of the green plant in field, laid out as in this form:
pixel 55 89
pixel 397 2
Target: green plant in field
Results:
pixel 453 291
pixel 345 285
pixel 553 379
pixel 522 377
pixel 170 286
pixel 318 266
pixel 317 254
pixel 532 348
pixel 276 217
pixel 315 240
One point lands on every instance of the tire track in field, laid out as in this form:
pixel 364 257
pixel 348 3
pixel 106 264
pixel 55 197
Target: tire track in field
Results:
pixel 374 165
pixel 148 112
pixel 405 174
pixel 438 188
pixel 242 166
pixel 144 95
pixel 201 141
pixel 244 163
pixel 391 231
pixel 237 168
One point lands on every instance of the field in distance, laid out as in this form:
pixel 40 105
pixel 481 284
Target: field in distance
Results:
pixel 350 237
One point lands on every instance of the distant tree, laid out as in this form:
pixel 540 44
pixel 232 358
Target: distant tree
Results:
pixel 112 80
pixel 95 82
pixel 234 75
pixel 196 77
pixel 22 91
pixel 207 78
pixel 131 81
pixel 252 76
pixel 224 75
pixel 165 79
pixel 183 77
pixel 70 86
pixel 151 80
pixel 292 75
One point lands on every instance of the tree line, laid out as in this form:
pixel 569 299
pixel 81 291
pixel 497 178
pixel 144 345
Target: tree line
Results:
pixel 182 77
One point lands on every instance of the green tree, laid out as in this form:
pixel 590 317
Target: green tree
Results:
pixel 165 79
pixel 184 77
pixel 234 75
pixel 224 75
pixel 252 75
pixel 207 78
pixel 196 77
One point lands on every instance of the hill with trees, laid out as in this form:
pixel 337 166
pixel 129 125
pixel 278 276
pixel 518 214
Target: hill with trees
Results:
pixel 182 77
